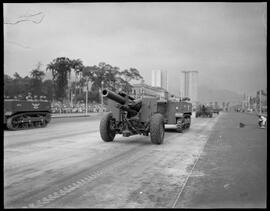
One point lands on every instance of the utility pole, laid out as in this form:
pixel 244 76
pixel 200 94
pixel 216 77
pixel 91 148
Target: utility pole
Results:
pixel 86 99
pixel 101 92
pixel 260 101
pixel 88 87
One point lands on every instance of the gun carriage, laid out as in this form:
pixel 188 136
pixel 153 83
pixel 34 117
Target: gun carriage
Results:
pixel 147 115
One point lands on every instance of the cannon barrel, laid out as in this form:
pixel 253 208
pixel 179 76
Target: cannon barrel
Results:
pixel 113 96
pixel 133 106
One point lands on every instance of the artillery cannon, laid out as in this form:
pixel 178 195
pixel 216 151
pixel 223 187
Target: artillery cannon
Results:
pixel 129 116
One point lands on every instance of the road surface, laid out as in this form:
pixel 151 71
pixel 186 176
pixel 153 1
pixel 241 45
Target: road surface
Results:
pixel 67 165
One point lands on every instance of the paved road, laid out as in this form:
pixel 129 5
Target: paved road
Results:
pixel 66 165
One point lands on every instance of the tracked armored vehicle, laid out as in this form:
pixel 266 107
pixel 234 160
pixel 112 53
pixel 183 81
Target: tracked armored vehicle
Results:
pixel 23 114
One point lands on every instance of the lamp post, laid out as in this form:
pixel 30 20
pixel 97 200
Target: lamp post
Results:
pixel 101 92
pixel 86 95
pixel 86 99
pixel 260 101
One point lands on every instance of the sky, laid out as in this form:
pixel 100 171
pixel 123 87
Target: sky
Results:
pixel 224 42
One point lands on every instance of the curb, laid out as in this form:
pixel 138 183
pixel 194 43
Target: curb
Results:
pixel 71 116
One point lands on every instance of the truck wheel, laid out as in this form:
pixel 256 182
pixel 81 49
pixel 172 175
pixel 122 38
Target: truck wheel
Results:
pixel 106 133
pixel 157 129
pixel 179 125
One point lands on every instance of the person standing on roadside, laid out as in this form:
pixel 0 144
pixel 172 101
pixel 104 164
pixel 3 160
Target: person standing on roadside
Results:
pixel 262 121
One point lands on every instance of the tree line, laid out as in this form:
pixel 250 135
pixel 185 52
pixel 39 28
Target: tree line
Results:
pixel 61 88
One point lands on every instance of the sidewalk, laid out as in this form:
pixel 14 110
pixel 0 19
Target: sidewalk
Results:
pixel 232 168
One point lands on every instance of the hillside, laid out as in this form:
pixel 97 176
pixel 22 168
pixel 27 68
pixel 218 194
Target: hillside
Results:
pixel 207 94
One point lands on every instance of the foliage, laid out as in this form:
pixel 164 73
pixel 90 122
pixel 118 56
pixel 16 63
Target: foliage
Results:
pixel 37 76
pixel 101 76
pixel 127 76
pixel 61 68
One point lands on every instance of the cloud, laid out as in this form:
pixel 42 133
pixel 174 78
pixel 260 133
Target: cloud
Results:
pixel 217 39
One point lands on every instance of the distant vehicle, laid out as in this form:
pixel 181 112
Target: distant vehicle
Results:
pixel 216 110
pixel 204 111
pixel 25 114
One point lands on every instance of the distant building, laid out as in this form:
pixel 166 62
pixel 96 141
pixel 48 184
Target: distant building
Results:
pixel 142 89
pixel 189 85
pixel 159 79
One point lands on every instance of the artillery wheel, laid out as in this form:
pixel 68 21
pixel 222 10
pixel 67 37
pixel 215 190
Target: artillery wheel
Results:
pixel 106 133
pixel 157 129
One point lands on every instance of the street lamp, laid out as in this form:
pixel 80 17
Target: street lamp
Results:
pixel 86 95
pixel 101 92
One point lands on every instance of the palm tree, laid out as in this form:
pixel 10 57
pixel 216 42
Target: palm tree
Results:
pixel 61 68
pixel 37 74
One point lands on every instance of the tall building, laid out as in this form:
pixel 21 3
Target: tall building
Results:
pixel 189 85
pixel 159 79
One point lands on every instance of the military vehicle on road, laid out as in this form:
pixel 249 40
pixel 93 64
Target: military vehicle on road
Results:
pixel 146 115
pixel 24 114
pixel 204 111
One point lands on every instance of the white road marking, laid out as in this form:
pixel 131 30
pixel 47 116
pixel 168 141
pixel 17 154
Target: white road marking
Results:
pixel 190 173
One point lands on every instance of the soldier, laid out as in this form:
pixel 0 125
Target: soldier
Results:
pixel 35 98
pixel 29 96
pixel 20 97
pixel 45 98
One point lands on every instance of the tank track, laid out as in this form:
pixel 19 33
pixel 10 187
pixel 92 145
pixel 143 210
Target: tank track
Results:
pixel 28 120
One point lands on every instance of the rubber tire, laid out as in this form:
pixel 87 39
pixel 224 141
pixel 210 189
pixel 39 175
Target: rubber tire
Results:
pixel 157 129
pixel 104 128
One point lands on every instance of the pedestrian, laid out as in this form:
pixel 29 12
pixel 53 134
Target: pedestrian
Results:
pixel 35 98
pixel 262 121
pixel 29 96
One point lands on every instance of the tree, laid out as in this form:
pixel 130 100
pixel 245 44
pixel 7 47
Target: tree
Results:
pixel 36 80
pixel 8 85
pixel 107 76
pixel 37 74
pixel 128 76
pixel 47 89
pixel 102 73
pixel 17 76
pixel 61 68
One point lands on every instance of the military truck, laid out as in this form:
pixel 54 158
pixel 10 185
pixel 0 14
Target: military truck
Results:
pixel 146 115
pixel 216 110
pixel 204 111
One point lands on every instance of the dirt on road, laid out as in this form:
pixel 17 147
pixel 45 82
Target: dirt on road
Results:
pixel 67 165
